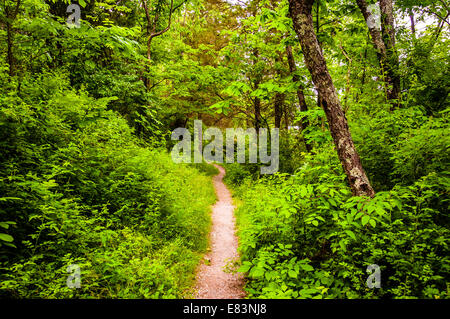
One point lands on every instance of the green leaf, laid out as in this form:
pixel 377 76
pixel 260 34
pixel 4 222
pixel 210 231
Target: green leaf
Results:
pixel 307 267
pixel 365 219
pixel 303 191
pixel 244 268
pixel 342 244
pixel 4 199
pixel 308 291
pixel 372 222
pixel 4 225
pixel 292 274
pixel 351 234
pixel 349 218
pixel 256 272
pixel 6 237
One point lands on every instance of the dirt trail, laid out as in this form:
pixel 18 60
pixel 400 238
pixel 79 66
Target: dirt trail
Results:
pixel 212 281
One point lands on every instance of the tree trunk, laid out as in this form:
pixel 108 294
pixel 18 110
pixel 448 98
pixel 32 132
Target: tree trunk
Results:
pixel 10 15
pixel 374 32
pixel 293 68
pixel 256 100
pixel 384 45
pixel 149 48
pixel 279 98
pixel 152 33
pixel 388 35
pixel 413 23
pixel 303 107
pixel 10 55
pixel 257 104
pixel 387 23
pixel 278 108
pixel 300 11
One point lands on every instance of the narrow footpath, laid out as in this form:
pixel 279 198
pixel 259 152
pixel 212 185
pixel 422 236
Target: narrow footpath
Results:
pixel 214 281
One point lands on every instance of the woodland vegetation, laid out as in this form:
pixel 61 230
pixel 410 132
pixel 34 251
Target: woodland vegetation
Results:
pixel 358 88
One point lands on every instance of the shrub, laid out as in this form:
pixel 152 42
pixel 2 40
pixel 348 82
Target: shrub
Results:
pixel 305 236
pixel 79 188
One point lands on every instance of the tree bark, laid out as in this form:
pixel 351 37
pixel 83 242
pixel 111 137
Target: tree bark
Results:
pixel 388 35
pixel 303 107
pixel 151 31
pixel 10 54
pixel 256 100
pixel 10 15
pixel 257 105
pixel 278 108
pixel 279 98
pixel 301 14
pixel 384 44
pixel 374 32
pixel 413 23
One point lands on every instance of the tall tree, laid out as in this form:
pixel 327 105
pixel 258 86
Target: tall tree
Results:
pixel 388 33
pixel 256 99
pixel 9 16
pixel 279 96
pixel 303 107
pixel 301 14
pixel 153 20
pixel 384 44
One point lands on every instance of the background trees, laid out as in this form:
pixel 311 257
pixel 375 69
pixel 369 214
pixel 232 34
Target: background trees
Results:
pixel 301 13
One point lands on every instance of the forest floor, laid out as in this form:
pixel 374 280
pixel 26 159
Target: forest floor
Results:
pixel 215 278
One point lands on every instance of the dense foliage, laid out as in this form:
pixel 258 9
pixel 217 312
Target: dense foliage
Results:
pixel 302 233
pixel 305 236
pixel 78 188
pixel 86 177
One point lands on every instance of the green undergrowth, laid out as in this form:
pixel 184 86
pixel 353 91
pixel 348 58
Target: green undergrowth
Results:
pixel 205 168
pixel 304 237
pixel 303 234
pixel 79 188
